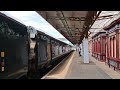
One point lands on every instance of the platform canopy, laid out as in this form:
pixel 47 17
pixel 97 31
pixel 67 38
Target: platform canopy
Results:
pixel 73 25
pixel 103 20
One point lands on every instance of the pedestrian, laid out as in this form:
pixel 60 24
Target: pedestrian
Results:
pixel 79 50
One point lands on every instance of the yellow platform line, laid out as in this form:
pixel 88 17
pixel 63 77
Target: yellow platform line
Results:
pixel 63 73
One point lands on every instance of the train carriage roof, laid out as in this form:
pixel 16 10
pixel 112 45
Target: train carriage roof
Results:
pixel 46 34
pixel 14 24
pixel 39 32
pixel 20 27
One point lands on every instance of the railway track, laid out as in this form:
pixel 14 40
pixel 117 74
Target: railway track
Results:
pixel 42 73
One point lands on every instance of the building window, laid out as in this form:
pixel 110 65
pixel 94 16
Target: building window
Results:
pixel 110 46
pixel 114 47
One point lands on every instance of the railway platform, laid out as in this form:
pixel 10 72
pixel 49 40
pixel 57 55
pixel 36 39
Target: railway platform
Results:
pixel 74 68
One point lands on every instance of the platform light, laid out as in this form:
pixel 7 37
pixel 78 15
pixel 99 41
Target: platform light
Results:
pixel 3 69
pixel 2 54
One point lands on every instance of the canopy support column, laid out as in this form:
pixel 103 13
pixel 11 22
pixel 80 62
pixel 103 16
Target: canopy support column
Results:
pixel 86 51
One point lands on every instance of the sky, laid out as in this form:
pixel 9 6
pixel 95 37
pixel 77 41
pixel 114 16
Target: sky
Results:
pixel 32 18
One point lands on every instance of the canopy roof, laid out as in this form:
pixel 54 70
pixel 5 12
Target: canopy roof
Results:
pixel 104 20
pixel 73 25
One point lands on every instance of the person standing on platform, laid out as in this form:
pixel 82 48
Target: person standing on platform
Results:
pixel 79 50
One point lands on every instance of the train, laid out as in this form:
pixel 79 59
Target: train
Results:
pixel 25 50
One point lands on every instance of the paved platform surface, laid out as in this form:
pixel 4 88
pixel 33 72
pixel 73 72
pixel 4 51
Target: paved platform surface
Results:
pixel 74 68
pixel 79 70
pixel 110 71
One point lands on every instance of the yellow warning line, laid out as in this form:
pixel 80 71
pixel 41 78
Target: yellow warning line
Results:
pixel 63 73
